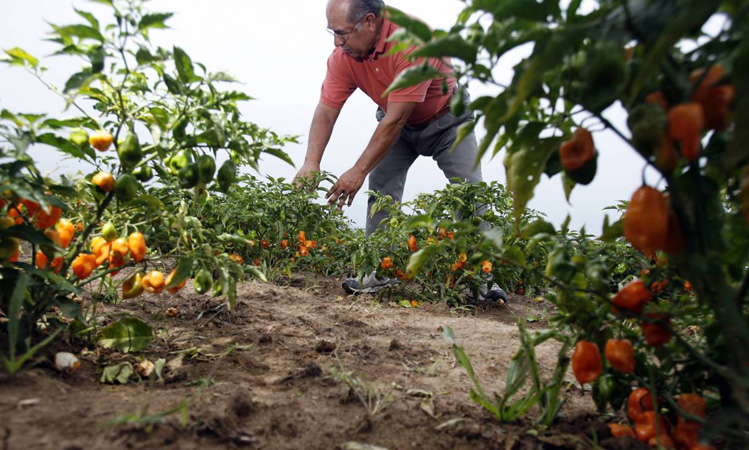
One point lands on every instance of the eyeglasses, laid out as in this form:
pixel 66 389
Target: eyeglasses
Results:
pixel 344 36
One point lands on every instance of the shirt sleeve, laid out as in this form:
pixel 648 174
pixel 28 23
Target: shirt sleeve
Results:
pixel 338 85
pixel 411 94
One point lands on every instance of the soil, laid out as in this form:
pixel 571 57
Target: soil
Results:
pixel 277 374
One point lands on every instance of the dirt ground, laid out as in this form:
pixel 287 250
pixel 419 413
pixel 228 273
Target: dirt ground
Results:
pixel 273 375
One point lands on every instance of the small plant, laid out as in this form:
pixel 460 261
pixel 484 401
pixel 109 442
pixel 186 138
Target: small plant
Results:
pixel 372 397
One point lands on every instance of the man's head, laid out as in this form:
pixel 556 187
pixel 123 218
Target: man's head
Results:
pixel 355 25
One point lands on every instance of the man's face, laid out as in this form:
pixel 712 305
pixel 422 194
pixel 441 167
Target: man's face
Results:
pixel 355 39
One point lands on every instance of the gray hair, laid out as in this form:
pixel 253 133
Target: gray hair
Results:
pixel 360 8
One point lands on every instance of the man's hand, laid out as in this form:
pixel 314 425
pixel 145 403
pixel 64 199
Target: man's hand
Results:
pixel 345 189
pixel 305 172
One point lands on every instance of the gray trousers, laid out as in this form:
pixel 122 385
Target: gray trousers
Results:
pixel 435 141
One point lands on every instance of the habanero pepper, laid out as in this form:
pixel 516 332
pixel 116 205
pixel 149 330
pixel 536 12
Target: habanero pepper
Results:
pixel 621 355
pixel 586 362
pixel 646 220
pixel 632 297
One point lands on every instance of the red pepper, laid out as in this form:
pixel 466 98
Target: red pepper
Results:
pixel 645 426
pixel 656 334
pixel 621 355
pixel 639 401
pixel 632 297
pixel 586 362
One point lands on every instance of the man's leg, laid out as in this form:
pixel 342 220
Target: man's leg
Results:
pixel 389 178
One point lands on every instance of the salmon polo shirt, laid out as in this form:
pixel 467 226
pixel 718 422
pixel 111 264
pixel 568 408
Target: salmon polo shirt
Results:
pixel 377 72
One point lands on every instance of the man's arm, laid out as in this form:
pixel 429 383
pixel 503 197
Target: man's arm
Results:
pixel 385 136
pixel 321 129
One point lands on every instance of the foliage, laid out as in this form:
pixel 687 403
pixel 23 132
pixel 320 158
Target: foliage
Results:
pixel 685 92
pixel 159 112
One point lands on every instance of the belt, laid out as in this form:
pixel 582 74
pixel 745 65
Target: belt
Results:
pixel 436 117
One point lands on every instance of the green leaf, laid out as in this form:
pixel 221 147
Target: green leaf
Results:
pixel 612 232
pixel 537 227
pixel 154 20
pixel 524 168
pixel 27 233
pixel 184 66
pixel 418 260
pixel 19 57
pixel 126 335
pixel 421 221
pixel 413 25
pixel 452 45
pixel 448 334
pixel 256 272
pixel 78 81
pixel 79 31
pixel 413 76
pixel 184 270
pixel 172 85
pixel 120 373
pixel 144 56
pixel 89 17
pixel 280 154
pixel 690 16
pixel 97 55
pixel 148 201
pixel 66 146
pixel 537 11
pixel 515 255
pixel 546 56
pixel 17 299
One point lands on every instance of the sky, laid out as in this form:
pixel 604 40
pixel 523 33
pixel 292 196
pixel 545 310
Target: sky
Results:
pixel 279 51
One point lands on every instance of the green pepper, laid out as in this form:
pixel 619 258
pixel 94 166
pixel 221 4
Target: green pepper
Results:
pixel 559 264
pixel 227 174
pixel 109 232
pixel 133 286
pixel 203 281
pixel 179 161
pixel 143 173
pixel 188 177
pixel 648 124
pixel 79 137
pixel 126 188
pixel 604 76
pixel 218 289
pixel 129 151
pixel 206 168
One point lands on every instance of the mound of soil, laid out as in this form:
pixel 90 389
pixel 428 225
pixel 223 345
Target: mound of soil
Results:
pixel 294 367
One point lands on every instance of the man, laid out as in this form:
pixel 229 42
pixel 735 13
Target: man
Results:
pixel 414 121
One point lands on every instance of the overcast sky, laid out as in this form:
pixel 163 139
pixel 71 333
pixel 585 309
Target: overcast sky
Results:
pixel 279 50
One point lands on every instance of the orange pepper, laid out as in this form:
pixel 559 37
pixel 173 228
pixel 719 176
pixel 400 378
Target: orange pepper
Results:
pixel 646 220
pixel 387 263
pixel 137 245
pixel 169 279
pixel 685 126
pixel 412 244
pixel 621 430
pixel 154 282
pixel 646 424
pixel 66 230
pixel 83 265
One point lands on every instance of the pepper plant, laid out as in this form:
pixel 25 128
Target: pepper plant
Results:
pixel 683 84
pixel 148 128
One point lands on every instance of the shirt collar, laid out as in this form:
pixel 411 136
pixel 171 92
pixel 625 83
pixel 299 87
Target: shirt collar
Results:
pixel 384 34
